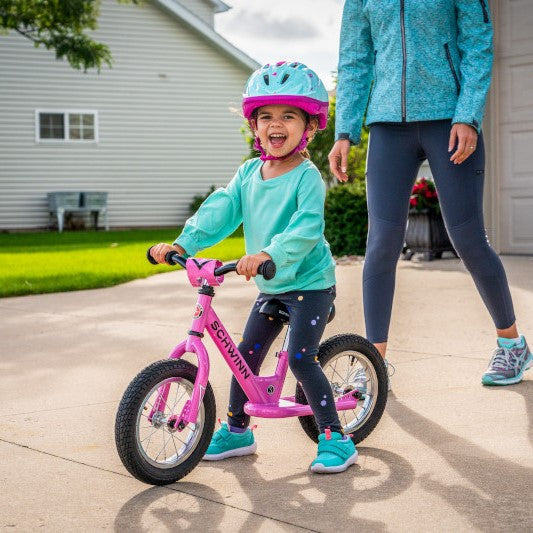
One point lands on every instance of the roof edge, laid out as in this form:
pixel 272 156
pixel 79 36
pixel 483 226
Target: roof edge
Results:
pixel 220 6
pixel 208 32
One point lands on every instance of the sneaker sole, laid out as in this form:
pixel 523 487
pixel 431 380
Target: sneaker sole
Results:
pixel 236 452
pixel 321 469
pixel 508 381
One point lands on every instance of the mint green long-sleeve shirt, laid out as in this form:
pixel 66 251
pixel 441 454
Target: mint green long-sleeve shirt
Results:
pixel 282 216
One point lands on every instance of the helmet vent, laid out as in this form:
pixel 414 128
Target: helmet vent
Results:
pixel 285 78
pixel 267 79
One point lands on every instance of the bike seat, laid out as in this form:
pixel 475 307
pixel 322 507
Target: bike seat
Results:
pixel 276 310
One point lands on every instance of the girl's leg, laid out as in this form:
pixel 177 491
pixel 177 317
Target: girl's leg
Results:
pixel 308 312
pixel 394 157
pixel 257 338
pixel 460 190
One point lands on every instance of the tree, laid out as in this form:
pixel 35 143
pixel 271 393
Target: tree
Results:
pixel 60 25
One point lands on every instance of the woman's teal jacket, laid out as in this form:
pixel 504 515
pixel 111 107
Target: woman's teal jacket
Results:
pixel 418 59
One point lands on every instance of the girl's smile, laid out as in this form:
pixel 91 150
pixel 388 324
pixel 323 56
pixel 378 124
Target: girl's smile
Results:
pixel 280 128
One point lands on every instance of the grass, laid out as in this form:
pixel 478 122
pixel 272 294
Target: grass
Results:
pixel 36 263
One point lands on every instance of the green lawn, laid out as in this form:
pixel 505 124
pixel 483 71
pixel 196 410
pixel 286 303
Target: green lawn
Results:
pixel 35 263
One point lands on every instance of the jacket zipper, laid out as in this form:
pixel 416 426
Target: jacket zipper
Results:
pixel 452 68
pixel 485 12
pixel 404 63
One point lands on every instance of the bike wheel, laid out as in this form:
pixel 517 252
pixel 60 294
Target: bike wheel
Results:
pixel 154 451
pixel 350 362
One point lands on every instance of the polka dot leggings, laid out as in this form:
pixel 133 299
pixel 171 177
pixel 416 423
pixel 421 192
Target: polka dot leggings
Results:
pixel 308 315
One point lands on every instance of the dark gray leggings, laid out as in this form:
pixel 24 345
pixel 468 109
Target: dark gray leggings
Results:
pixel 308 314
pixel 395 154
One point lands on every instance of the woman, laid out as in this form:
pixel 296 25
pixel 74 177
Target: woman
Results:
pixel 423 67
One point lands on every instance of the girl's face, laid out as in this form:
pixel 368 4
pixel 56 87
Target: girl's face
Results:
pixel 280 128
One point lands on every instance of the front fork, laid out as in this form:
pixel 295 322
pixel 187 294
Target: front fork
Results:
pixel 189 413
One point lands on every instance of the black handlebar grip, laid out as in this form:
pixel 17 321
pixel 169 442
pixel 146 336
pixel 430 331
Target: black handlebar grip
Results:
pixel 149 256
pixel 171 258
pixel 267 269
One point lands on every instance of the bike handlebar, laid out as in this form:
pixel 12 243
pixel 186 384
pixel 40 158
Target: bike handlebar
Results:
pixel 266 269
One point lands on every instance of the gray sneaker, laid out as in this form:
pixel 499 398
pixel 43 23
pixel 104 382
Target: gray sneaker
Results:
pixel 508 365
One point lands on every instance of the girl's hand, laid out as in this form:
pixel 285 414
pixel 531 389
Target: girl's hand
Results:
pixel 465 137
pixel 248 265
pixel 338 159
pixel 159 251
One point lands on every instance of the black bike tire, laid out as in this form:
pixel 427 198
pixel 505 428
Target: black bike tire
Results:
pixel 126 419
pixel 328 349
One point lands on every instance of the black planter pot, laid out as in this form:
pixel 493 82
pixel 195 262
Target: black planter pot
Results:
pixel 426 234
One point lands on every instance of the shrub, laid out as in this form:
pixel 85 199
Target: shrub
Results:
pixel 199 199
pixel 346 219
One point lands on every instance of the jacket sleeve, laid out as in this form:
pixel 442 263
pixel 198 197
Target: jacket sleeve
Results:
pixel 217 218
pixel 306 226
pixel 354 72
pixel 474 41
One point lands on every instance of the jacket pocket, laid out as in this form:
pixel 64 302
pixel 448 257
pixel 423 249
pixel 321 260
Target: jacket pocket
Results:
pixel 452 68
pixel 485 11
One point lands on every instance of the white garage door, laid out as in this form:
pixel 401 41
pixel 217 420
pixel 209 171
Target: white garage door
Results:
pixel 515 64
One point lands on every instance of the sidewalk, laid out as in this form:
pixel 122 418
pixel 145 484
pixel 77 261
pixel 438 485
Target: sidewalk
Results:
pixel 448 454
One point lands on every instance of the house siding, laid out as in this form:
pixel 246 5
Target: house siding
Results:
pixel 166 131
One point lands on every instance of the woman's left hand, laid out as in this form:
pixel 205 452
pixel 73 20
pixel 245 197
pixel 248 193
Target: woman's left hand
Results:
pixel 465 138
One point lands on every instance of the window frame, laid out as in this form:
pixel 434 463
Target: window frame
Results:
pixel 66 125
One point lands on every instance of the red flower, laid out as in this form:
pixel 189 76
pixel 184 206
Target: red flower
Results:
pixel 424 196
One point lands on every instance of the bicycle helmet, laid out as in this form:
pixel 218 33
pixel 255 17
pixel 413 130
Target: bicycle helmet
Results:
pixel 292 84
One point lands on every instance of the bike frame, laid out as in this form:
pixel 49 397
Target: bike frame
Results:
pixel 263 392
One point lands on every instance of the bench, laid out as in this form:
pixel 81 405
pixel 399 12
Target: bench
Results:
pixel 89 202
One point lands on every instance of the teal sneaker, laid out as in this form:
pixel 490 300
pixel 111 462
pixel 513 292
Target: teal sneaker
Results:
pixel 226 444
pixel 508 363
pixel 335 453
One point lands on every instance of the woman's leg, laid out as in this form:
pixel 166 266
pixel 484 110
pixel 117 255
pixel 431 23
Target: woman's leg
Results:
pixel 257 338
pixel 394 157
pixel 460 190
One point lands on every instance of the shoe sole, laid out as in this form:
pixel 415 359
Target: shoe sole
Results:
pixel 509 381
pixel 319 468
pixel 236 452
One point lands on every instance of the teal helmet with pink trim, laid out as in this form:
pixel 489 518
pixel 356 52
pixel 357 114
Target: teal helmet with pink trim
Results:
pixel 289 84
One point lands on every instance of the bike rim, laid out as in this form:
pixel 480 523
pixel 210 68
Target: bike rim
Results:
pixel 159 446
pixel 350 370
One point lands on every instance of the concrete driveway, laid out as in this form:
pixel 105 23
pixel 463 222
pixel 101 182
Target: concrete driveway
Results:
pixel 448 454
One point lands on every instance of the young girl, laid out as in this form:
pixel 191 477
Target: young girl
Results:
pixel 279 198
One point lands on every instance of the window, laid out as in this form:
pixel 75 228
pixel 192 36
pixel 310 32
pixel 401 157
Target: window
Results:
pixel 66 126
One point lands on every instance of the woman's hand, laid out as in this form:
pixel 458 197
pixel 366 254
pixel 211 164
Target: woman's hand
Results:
pixel 465 137
pixel 248 265
pixel 159 251
pixel 338 159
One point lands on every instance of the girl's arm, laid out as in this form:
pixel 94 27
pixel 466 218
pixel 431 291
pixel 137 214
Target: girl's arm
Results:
pixel 306 226
pixel 217 218
pixel 474 41
pixel 354 72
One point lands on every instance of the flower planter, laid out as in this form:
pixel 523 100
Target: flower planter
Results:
pixel 426 234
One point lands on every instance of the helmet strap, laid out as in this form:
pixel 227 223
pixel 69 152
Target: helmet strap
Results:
pixel 265 157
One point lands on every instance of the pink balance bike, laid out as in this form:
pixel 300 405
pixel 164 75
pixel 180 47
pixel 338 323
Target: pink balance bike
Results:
pixel 166 417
